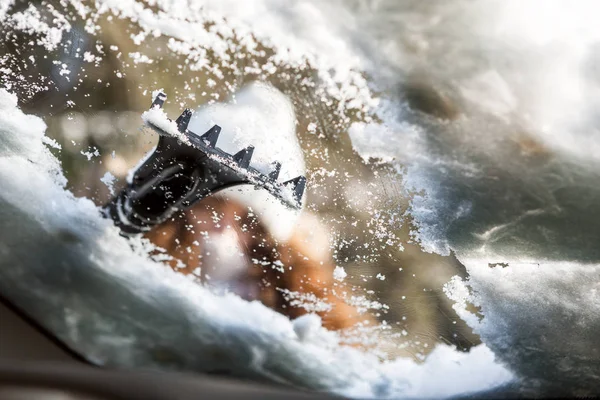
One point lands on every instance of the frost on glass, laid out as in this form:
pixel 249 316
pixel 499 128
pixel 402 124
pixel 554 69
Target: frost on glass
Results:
pixel 456 128
pixel 70 270
pixel 496 140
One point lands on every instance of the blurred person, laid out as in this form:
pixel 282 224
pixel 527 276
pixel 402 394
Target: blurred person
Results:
pixel 229 246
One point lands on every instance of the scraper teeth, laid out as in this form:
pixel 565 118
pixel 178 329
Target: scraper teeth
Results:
pixel 159 100
pixel 274 174
pixel 212 135
pixel 184 120
pixel 207 143
pixel 244 156
pixel 298 184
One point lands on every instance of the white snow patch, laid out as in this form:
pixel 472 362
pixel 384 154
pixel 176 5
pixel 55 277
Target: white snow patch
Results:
pixel 31 21
pixel 93 152
pixel 539 318
pixel 339 273
pixel 158 118
pixel 307 326
pixel 5 5
pixel 109 180
pixel 89 57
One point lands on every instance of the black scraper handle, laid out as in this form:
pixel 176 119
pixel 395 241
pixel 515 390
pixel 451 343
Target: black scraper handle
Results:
pixel 182 171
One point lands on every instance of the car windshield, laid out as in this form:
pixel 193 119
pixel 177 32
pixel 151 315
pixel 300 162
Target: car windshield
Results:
pixel 419 215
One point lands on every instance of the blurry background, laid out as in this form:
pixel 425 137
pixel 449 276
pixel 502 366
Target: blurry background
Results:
pixel 98 85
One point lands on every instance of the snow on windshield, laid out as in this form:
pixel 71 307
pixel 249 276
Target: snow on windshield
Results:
pixel 505 175
pixel 473 130
pixel 120 308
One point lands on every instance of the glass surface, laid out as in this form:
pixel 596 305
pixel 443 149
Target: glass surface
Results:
pixel 448 242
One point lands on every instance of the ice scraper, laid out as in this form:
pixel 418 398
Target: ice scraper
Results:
pixel 184 168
